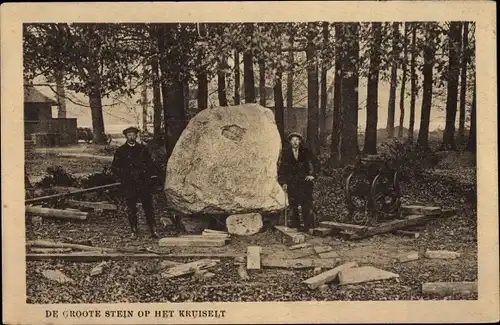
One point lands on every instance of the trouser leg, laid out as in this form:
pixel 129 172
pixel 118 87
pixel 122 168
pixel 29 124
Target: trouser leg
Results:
pixel 132 212
pixel 307 214
pixel 294 218
pixel 147 205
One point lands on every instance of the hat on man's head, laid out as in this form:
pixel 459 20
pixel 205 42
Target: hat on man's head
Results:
pixel 130 129
pixel 295 134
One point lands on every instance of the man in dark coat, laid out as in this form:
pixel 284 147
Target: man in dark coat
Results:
pixel 134 167
pixel 296 174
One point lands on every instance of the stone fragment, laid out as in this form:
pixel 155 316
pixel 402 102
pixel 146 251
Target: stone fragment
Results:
pixel 364 274
pixel 410 256
pixel 244 224
pixel 445 255
pixel 57 276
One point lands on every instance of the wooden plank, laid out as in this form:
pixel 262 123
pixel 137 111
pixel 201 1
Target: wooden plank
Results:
pixel 411 209
pixel 253 257
pixel 60 195
pixel 342 226
pixel 291 233
pixel 210 234
pixel 412 220
pixel 49 244
pixel 444 289
pixel 185 241
pixel 304 263
pixel 364 274
pixel 88 257
pixel 188 268
pixel 50 250
pixel 327 276
pixel 299 246
pixel 216 231
pixel 93 205
pixel 407 233
pixel 57 213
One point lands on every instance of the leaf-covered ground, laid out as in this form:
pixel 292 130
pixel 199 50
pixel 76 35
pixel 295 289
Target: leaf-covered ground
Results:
pixel 140 281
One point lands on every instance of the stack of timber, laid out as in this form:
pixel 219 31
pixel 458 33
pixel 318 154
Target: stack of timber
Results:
pixel 56 213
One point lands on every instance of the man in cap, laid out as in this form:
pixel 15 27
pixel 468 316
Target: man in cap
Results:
pixel 296 174
pixel 134 167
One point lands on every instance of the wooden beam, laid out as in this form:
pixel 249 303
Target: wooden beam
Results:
pixel 304 263
pixel 50 250
pixel 327 276
pixel 188 268
pixel 192 241
pixel 444 289
pixel 57 213
pixel 88 257
pixel 412 220
pixel 93 205
pixel 60 195
pixel 49 244
pixel 299 246
pixel 253 257
pixel 342 226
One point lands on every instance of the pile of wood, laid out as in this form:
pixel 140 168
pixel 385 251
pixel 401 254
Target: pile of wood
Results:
pixel 413 215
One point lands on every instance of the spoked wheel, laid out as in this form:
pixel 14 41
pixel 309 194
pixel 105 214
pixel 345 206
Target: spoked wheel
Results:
pixel 357 204
pixel 385 195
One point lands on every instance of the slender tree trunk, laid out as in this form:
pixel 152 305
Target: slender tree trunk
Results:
pixel 413 77
pixel 394 81
pixel 312 94
pixel 278 104
pixel 370 146
pixel 455 45
pixel 289 87
pixel 350 82
pixel 221 83
pixel 185 94
pixel 95 102
pixel 403 83
pixel 463 81
pixel 202 95
pixel 60 94
pixel 472 143
pixel 144 104
pixel 164 68
pixel 237 85
pixel 324 95
pixel 156 98
pixel 337 97
pixel 429 53
pixel 262 82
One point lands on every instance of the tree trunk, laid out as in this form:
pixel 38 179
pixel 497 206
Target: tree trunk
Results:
pixel 262 82
pixel 162 60
pixel 144 104
pixel 370 146
pixel 99 136
pixel 60 94
pixel 471 145
pixel 202 89
pixel 312 94
pixel 429 53
pixel 413 78
pixel 185 94
pixel 349 137
pixel 454 36
pixel 156 98
pixel 289 88
pixel 394 81
pixel 177 115
pixel 278 105
pixel 237 77
pixel 324 95
pixel 221 83
pixel 403 83
pixel 248 78
pixel 463 81
pixel 337 97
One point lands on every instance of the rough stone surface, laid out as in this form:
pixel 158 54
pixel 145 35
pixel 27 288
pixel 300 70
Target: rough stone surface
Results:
pixel 407 257
pixel 244 224
pixel 56 275
pixel 193 225
pixel 225 162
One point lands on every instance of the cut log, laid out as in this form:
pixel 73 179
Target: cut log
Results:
pixel 48 244
pixel 391 226
pixel 407 233
pixel 412 209
pixel 291 234
pixel 253 257
pixel 188 268
pixel 242 272
pixel 93 205
pixel 87 257
pixel 60 195
pixel 444 255
pixel 50 250
pixel 323 232
pixel 299 263
pixel 299 246
pixel 342 226
pixel 195 241
pixel 444 289
pixel 364 274
pixel 410 256
pixel 327 276
pixel 57 213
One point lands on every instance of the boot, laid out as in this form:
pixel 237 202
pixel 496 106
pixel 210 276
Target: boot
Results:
pixel 294 218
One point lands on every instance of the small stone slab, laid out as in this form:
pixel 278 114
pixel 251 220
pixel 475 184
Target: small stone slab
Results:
pixel 166 222
pixel 98 269
pixel 410 256
pixel 364 274
pixel 323 249
pixel 327 276
pixel 444 255
pixel 57 276
pixel 244 224
pixel 253 257
pixel 444 289
pixel 291 233
pixel 331 254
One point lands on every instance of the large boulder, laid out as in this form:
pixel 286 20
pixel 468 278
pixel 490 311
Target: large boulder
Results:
pixel 225 162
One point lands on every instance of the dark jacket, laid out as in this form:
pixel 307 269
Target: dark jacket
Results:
pixel 294 171
pixel 133 166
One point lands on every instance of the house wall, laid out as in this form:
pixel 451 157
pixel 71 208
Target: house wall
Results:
pixel 37 111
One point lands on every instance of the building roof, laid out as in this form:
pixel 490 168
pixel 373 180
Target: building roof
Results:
pixel 32 95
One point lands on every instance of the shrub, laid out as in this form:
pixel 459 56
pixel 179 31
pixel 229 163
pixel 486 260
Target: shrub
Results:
pixel 57 176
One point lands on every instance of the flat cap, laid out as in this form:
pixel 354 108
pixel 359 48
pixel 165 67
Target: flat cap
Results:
pixel 130 129
pixel 295 134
